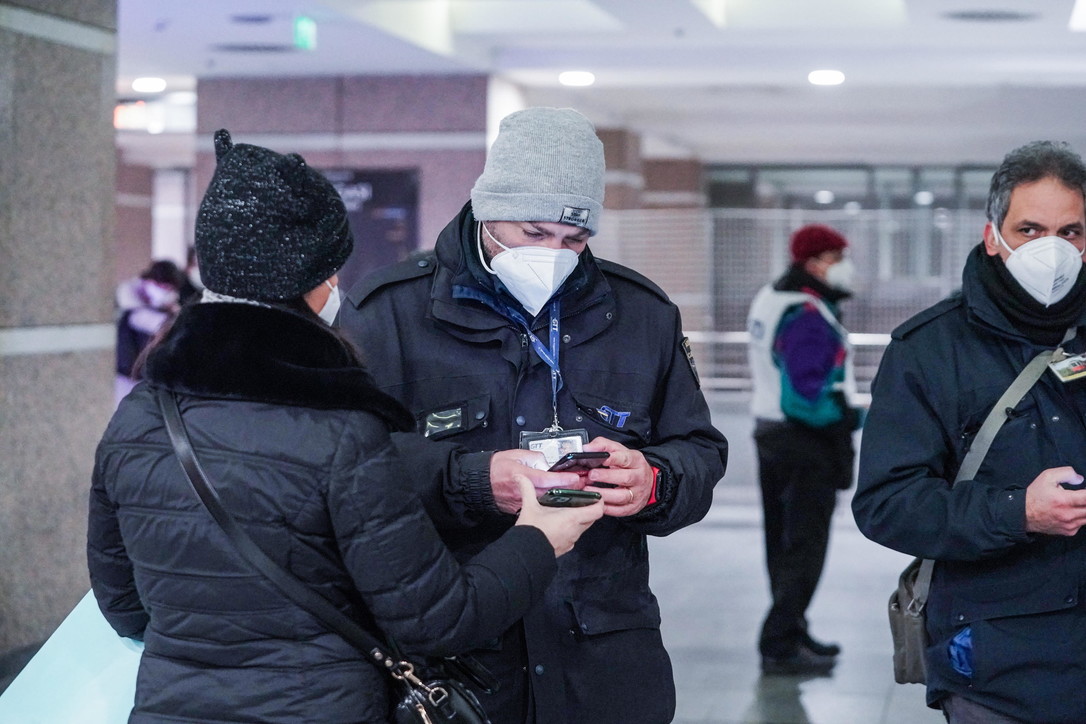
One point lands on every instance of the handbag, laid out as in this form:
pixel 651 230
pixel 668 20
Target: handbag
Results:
pixel 430 700
pixel 908 620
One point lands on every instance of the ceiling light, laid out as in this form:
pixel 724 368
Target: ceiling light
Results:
pixel 1078 16
pixel 824 197
pixel 826 77
pixel 578 78
pixel 149 85
pixel 924 198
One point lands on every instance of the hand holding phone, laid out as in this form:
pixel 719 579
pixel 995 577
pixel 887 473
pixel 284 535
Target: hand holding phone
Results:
pixel 562 526
pixel 579 462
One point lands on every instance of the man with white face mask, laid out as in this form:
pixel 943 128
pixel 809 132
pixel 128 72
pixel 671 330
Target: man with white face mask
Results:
pixel 512 334
pixel 801 369
pixel 1006 615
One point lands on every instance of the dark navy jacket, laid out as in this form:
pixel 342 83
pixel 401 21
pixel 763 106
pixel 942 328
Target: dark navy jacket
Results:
pixel 593 647
pixel 1022 594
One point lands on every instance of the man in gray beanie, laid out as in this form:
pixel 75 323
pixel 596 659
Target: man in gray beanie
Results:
pixel 511 334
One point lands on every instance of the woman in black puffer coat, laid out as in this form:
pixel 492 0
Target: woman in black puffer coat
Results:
pixel 296 439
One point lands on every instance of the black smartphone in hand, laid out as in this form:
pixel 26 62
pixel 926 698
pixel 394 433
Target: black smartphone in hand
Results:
pixel 563 498
pixel 578 462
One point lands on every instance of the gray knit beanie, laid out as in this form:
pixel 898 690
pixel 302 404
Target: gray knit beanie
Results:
pixel 269 227
pixel 545 165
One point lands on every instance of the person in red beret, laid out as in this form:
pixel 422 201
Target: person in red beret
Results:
pixel 801 371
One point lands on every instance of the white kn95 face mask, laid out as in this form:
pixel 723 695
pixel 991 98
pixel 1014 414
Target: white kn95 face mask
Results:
pixel 532 274
pixel 1046 268
pixel 331 307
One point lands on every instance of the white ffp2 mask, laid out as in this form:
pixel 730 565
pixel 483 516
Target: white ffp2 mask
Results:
pixel 1046 268
pixel 532 274
pixel 331 307
pixel 841 275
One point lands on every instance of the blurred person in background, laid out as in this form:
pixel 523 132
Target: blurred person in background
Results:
pixel 801 368
pixel 146 304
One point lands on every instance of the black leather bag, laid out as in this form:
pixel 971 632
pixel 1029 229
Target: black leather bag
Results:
pixel 907 625
pixel 434 701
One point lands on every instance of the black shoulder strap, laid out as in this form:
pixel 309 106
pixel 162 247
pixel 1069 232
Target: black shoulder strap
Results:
pixel 287 584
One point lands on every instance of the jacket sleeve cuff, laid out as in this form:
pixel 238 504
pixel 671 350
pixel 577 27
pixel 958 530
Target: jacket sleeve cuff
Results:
pixel 475 479
pixel 1011 512
pixel 663 494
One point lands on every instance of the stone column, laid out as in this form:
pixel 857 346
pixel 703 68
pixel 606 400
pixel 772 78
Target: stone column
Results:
pixel 57 68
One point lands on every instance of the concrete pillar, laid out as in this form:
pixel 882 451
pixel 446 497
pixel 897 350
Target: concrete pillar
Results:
pixel 57 68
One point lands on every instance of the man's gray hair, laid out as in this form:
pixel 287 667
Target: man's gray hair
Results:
pixel 1033 162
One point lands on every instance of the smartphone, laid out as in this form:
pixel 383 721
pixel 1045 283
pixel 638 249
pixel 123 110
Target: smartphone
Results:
pixel 577 462
pixel 563 498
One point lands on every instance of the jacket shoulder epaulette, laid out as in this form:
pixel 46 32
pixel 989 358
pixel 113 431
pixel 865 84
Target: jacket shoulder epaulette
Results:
pixel 610 268
pixel 416 266
pixel 933 312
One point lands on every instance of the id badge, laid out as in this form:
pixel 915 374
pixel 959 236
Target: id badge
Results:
pixel 1069 368
pixel 554 443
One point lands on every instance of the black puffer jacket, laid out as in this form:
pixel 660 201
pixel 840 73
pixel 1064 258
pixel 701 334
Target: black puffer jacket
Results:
pixel 296 439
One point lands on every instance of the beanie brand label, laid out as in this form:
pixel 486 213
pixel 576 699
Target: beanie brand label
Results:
pixel 575 216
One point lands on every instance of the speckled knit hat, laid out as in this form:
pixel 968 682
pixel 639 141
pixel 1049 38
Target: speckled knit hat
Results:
pixel 545 165
pixel 269 227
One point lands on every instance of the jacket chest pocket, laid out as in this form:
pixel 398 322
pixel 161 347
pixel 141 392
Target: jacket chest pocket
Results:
pixel 454 418
pixel 622 421
pixel 1021 448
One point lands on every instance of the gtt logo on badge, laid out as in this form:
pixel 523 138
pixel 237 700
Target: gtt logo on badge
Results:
pixel 573 215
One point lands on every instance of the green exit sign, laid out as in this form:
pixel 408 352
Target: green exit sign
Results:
pixel 305 33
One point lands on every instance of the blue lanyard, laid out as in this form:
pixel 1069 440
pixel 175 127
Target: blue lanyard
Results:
pixel 549 356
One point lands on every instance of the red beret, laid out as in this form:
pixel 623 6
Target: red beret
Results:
pixel 810 241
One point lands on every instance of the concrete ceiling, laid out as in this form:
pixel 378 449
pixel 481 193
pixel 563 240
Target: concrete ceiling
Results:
pixel 723 81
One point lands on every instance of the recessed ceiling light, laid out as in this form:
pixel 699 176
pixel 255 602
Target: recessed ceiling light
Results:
pixel 825 196
pixel 826 77
pixel 579 78
pixel 149 85
pixel 924 198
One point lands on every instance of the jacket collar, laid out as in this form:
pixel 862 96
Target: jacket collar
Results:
pixel 265 354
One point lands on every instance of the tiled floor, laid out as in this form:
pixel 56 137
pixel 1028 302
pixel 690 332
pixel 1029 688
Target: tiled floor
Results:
pixel 711 583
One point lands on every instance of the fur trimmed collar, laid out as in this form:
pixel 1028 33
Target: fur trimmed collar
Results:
pixel 263 354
